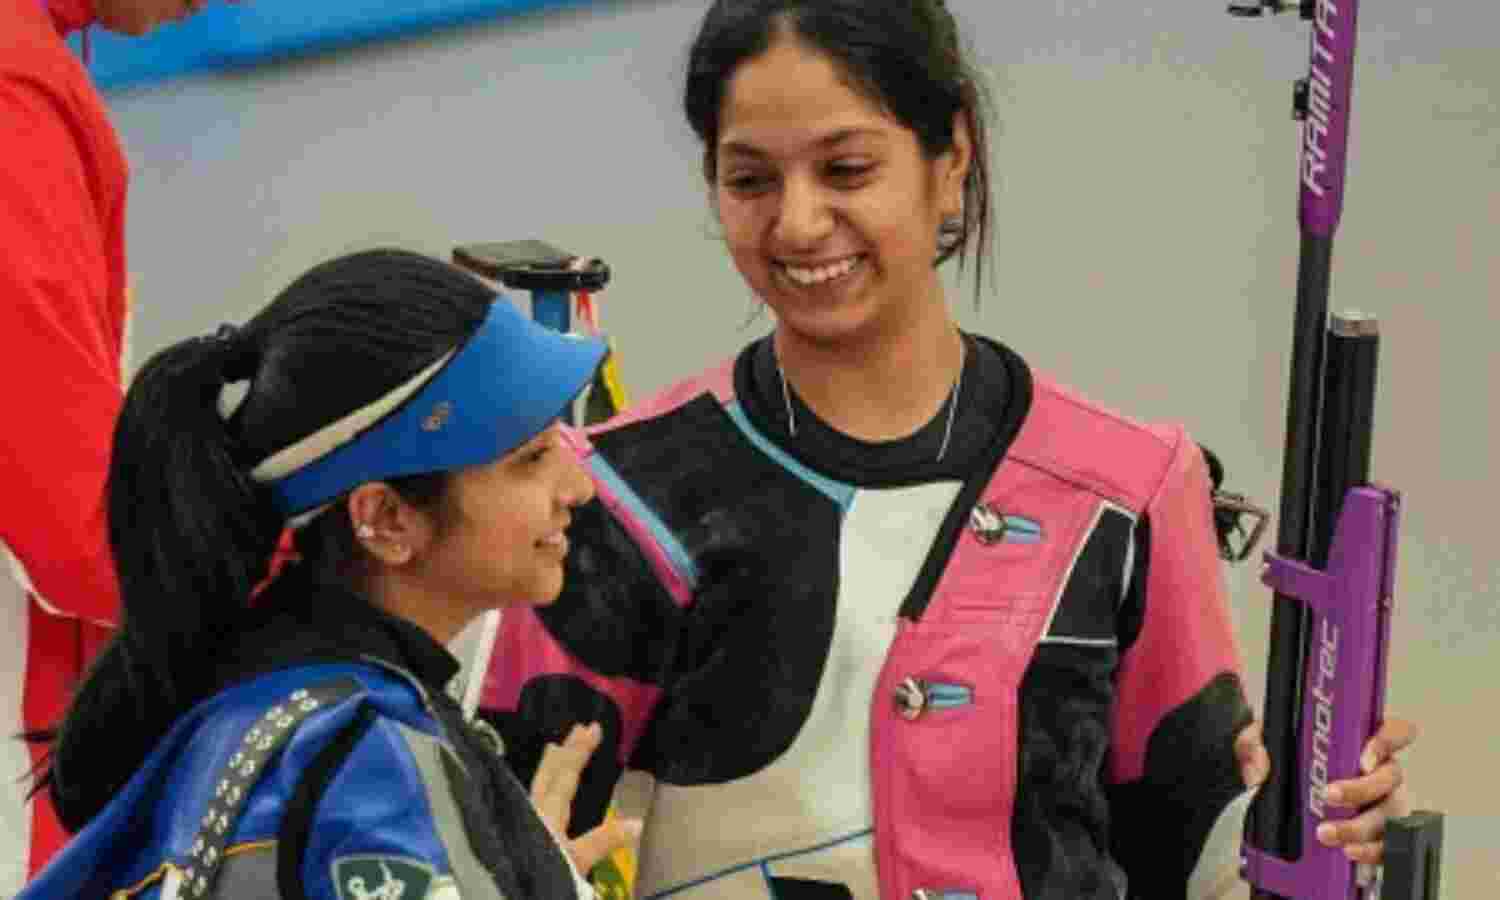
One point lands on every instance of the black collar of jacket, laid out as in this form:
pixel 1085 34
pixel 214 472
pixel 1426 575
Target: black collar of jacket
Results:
pixel 298 621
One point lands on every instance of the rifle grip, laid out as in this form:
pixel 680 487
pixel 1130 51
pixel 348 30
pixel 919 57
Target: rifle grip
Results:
pixel 1413 850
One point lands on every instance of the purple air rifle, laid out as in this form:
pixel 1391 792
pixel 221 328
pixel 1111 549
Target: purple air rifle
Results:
pixel 1334 566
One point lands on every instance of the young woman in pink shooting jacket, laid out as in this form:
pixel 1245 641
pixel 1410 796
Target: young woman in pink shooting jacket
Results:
pixel 884 610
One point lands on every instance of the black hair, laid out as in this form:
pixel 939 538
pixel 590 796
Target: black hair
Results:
pixel 192 533
pixel 904 55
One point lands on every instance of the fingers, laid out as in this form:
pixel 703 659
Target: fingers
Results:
pixel 1367 790
pixel 1380 792
pixel 1394 736
pixel 1248 738
pixel 1250 752
pixel 562 763
pixel 558 773
pixel 1359 837
pixel 588 849
pixel 1383 776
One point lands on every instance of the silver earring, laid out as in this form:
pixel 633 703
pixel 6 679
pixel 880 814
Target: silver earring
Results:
pixel 364 531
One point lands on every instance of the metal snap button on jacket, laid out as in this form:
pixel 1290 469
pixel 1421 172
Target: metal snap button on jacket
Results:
pixel 987 524
pixel 911 698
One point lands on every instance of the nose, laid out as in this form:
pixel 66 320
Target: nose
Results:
pixel 577 487
pixel 804 217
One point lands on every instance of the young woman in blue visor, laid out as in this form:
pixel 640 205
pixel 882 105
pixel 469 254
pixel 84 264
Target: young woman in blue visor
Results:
pixel 291 736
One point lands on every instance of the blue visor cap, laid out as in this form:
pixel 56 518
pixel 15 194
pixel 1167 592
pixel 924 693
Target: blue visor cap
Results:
pixel 509 382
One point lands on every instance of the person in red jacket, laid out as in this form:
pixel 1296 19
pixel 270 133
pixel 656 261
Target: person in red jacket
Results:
pixel 62 313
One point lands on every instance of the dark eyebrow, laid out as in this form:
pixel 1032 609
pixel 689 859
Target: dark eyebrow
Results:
pixel 740 148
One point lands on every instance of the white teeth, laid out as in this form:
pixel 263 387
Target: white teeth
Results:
pixel 821 274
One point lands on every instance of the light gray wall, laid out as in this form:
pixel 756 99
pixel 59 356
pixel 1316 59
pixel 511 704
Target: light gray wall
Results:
pixel 1146 246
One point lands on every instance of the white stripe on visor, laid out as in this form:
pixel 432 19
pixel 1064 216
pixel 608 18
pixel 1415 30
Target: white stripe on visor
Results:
pixel 331 437
pixel 504 385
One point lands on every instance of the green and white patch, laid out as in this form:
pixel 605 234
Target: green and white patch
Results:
pixel 380 877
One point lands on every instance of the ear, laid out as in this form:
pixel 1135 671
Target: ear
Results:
pixel 955 165
pixel 391 530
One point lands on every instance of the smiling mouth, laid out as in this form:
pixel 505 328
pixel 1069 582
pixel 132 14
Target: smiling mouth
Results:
pixel 813 276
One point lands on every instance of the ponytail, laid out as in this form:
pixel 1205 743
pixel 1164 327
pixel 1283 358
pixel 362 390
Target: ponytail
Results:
pixel 192 535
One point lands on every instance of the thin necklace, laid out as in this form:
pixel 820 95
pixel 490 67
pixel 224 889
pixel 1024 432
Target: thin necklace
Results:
pixel 791 415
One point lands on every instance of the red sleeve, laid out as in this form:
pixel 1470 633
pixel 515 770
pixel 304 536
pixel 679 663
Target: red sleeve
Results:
pixel 61 371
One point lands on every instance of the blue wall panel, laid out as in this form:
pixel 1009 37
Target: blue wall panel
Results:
pixel 225 35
